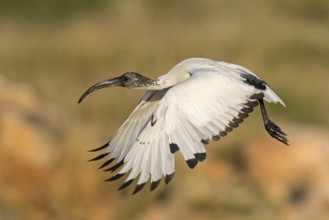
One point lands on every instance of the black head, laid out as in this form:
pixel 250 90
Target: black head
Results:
pixel 134 80
pixel 128 80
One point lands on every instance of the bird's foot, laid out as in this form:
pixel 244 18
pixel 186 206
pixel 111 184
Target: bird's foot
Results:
pixel 276 132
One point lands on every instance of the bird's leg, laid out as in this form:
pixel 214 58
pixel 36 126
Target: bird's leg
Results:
pixel 271 128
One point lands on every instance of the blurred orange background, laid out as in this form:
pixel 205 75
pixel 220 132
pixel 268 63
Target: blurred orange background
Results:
pixel 51 51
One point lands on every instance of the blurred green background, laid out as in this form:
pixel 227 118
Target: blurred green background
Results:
pixel 51 51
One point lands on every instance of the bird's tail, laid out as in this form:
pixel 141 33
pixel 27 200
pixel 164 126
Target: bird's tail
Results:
pixel 270 96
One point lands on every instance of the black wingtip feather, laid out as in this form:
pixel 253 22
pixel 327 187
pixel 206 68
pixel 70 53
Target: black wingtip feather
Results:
pixel 228 129
pixel 192 162
pixel 152 121
pixel 257 96
pixel 168 178
pixel 200 156
pixel 126 184
pixel 173 148
pixel 115 177
pixel 99 148
pixel 108 162
pixel 138 188
pixel 233 124
pixel 254 81
pixel 154 185
pixel 204 141
pixel 246 110
pixel 99 157
pixel 215 137
pixel 242 115
pixel 252 104
pixel 115 167
pixel 237 120
pixel 223 133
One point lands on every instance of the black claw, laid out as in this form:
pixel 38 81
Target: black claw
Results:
pixel 276 132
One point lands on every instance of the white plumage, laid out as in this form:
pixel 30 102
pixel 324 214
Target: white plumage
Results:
pixel 197 101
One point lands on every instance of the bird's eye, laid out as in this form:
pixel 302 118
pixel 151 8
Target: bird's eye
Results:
pixel 125 78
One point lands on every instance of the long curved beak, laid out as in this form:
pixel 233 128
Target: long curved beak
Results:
pixel 103 84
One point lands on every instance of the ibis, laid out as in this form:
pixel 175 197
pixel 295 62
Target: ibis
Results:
pixel 196 101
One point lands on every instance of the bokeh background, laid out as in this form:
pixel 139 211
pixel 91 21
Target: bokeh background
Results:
pixel 51 51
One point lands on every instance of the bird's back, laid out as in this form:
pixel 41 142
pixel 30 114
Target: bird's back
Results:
pixel 187 68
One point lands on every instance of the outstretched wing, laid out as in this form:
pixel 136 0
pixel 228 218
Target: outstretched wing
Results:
pixel 126 136
pixel 206 106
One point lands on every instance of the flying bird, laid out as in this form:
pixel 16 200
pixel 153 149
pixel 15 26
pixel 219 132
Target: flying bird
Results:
pixel 197 101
